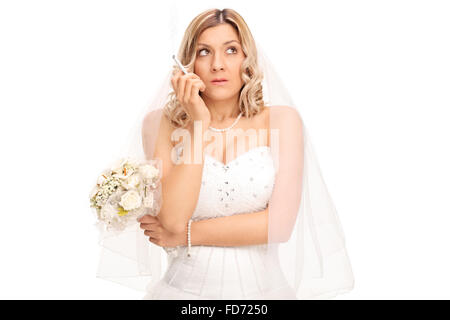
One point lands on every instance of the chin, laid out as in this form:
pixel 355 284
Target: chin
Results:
pixel 220 94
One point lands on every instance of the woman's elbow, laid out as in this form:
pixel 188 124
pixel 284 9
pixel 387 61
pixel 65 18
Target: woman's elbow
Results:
pixel 280 239
pixel 281 236
pixel 172 225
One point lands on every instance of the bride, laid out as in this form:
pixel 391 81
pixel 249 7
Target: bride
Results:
pixel 234 180
pixel 245 212
pixel 227 187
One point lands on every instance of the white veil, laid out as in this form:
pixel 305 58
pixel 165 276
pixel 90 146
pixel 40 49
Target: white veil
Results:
pixel 314 257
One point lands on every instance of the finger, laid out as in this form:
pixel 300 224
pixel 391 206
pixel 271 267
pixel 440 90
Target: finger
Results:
pixel 182 84
pixel 177 74
pixel 194 89
pixel 176 85
pixel 203 86
pixel 152 234
pixel 187 90
pixel 200 85
pixel 155 241
pixel 193 75
pixel 148 226
pixel 147 219
pixel 173 84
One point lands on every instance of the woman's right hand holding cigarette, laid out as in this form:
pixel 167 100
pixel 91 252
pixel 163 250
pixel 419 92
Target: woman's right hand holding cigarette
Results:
pixel 187 88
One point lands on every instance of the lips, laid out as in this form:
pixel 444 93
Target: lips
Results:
pixel 219 80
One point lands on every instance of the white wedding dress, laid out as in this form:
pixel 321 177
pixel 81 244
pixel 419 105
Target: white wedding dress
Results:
pixel 243 185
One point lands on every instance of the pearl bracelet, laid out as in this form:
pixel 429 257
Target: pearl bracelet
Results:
pixel 189 238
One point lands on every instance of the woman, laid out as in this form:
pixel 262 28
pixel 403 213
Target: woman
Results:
pixel 233 176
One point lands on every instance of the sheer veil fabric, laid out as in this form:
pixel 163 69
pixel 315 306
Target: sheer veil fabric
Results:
pixel 304 232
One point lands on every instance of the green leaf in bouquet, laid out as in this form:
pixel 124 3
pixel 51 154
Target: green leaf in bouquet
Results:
pixel 122 212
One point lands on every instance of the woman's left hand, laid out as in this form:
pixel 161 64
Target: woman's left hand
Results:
pixel 158 234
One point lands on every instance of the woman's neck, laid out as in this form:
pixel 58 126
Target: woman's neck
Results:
pixel 223 111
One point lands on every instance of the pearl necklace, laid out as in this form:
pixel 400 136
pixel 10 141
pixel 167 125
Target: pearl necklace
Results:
pixel 226 129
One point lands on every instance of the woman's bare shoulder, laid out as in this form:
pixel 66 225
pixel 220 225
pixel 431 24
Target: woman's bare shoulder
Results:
pixel 283 112
pixel 158 120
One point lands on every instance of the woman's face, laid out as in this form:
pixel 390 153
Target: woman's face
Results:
pixel 219 55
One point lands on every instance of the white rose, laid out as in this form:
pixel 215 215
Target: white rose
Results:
pixel 130 200
pixel 132 182
pixel 149 172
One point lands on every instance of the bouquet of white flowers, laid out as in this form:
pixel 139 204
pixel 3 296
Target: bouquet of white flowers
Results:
pixel 126 192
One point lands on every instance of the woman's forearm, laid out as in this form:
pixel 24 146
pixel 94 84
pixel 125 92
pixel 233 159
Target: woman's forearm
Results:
pixel 178 190
pixel 181 187
pixel 236 230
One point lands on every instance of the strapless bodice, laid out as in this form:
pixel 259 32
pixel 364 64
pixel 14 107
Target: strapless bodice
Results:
pixel 243 185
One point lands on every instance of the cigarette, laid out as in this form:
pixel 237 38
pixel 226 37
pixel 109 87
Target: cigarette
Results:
pixel 179 64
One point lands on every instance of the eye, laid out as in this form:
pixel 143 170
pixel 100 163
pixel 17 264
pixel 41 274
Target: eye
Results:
pixel 200 51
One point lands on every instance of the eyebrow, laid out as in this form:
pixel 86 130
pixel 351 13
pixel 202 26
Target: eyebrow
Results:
pixel 225 43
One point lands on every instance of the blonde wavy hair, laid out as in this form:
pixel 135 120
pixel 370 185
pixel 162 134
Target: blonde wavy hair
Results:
pixel 251 94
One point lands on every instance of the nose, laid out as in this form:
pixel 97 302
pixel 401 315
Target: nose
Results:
pixel 217 67
pixel 217 63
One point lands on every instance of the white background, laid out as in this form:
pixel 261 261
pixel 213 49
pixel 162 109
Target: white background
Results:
pixel 372 79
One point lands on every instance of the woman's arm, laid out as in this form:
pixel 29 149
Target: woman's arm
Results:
pixel 230 231
pixel 236 230
pixel 180 182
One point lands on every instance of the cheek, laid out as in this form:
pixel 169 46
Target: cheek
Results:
pixel 237 75
pixel 237 70
pixel 199 68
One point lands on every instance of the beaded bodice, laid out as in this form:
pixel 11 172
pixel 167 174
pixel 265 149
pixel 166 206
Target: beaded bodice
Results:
pixel 243 185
